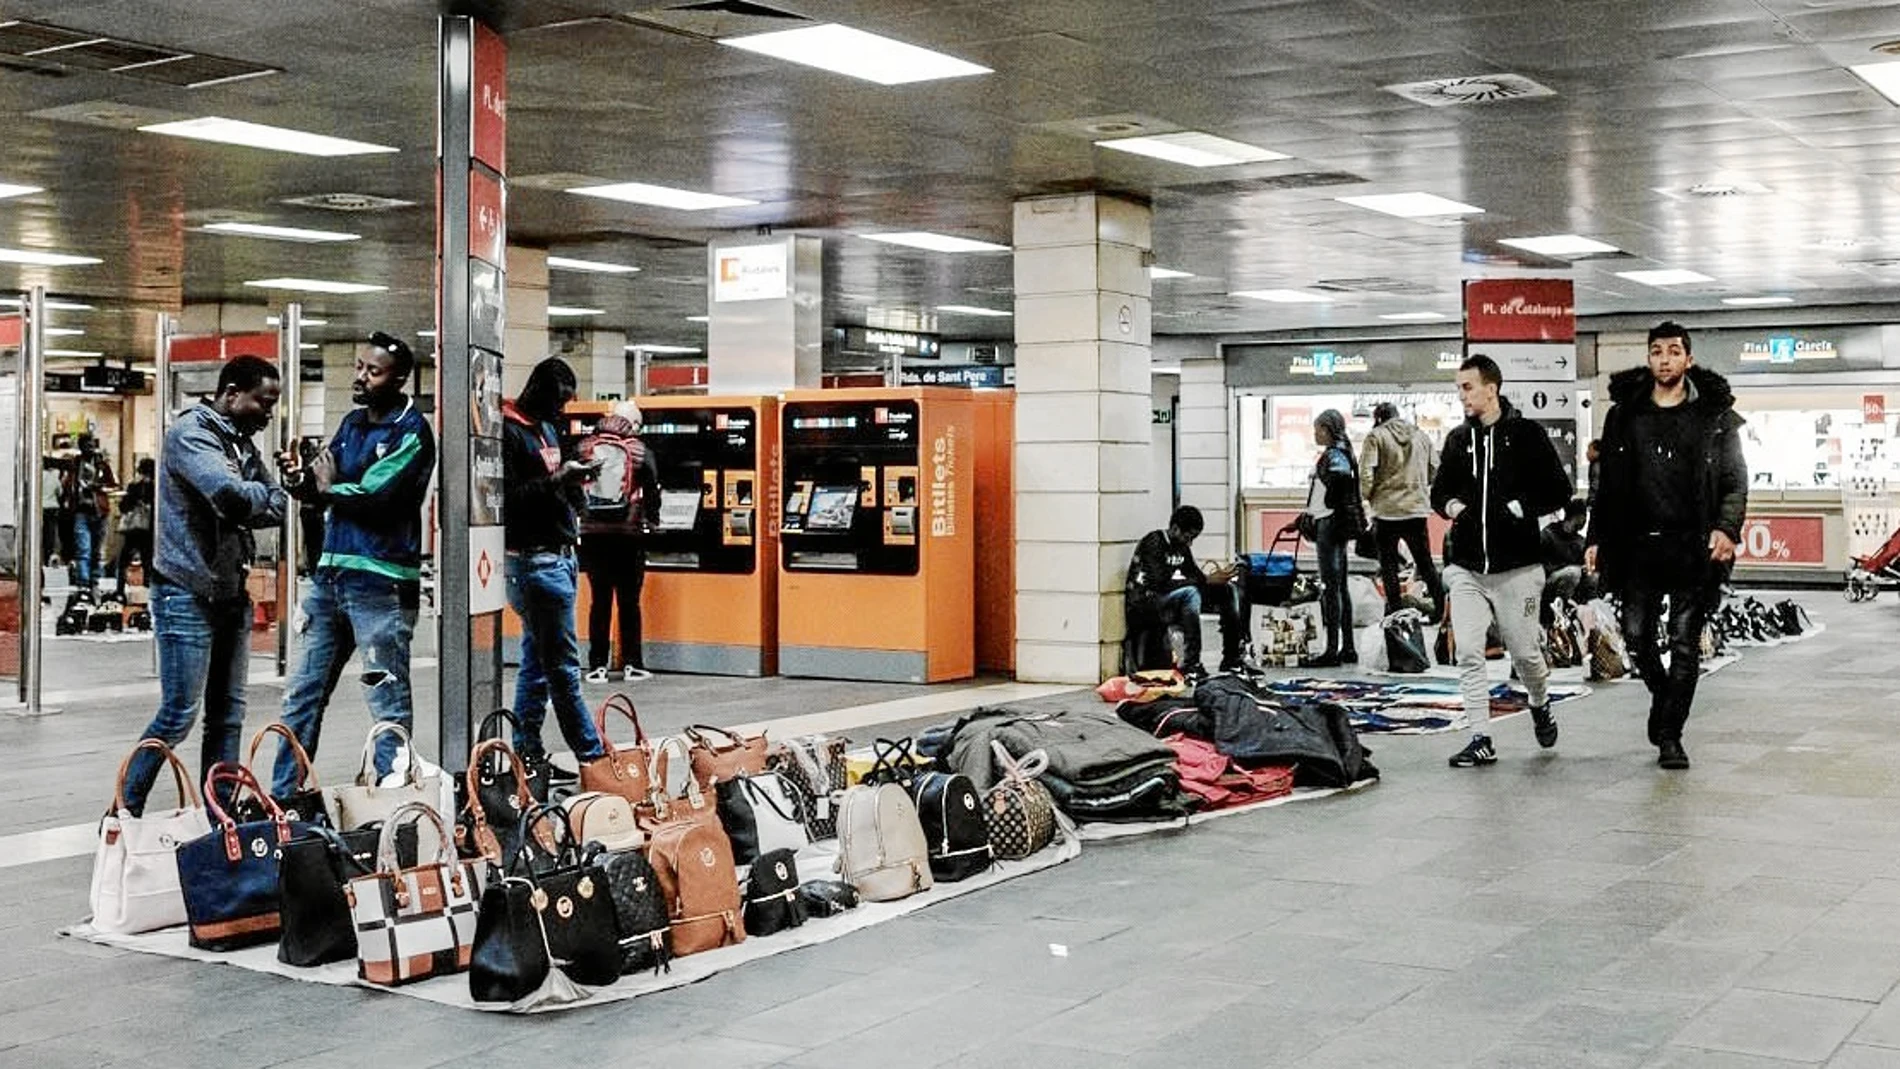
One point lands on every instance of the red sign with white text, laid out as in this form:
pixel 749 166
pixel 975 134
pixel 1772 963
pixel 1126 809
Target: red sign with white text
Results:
pixel 487 223
pixel 1797 541
pixel 1520 309
pixel 488 141
pixel 1873 408
pixel 213 348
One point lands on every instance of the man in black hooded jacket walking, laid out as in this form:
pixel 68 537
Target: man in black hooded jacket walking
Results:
pixel 1667 517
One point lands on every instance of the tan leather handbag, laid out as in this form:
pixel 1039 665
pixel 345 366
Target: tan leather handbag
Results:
pixel 693 863
pixel 719 755
pixel 624 772
pixel 607 819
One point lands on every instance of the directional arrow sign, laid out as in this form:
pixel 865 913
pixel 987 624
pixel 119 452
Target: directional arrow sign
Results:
pixel 1530 363
pixel 1542 400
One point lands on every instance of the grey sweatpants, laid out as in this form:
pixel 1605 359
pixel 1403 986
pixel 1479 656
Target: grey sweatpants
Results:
pixel 1511 599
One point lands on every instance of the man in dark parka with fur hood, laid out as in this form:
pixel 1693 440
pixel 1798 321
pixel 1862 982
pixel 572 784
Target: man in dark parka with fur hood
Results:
pixel 1668 516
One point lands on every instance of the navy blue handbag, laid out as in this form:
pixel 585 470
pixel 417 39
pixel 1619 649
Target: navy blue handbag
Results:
pixel 229 876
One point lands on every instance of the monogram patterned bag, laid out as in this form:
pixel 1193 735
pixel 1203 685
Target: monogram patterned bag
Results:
pixel 815 766
pixel 1019 810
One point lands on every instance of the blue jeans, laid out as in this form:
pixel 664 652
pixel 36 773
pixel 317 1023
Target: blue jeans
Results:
pixel 89 540
pixel 1182 608
pixel 203 657
pixel 1335 597
pixel 543 591
pixel 348 610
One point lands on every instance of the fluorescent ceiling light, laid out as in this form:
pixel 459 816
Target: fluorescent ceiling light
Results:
pixel 684 200
pixel 51 306
pixel 8 189
pixel 425 333
pixel 314 285
pixel 1159 273
pixel 1559 245
pixel 257 135
pixel 74 352
pixel 566 310
pixel 278 321
pixel 923 239
pixel 857 54
pixel 1282 296
pixel 1411 205
pixel 307 346
pixel 1753 302
pixel 63 332
pixel 1884 77
pixel 599 267
pixel 1193 148
pixel 1666 277
pixel 45 259
pixel 1413 317
pixel 280 233
pixel 972 310
pixel 652 348
pixel 699 319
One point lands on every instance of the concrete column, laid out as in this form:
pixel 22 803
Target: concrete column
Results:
pixel 1083 439
pixel 1207 457
pixel 525 340
pixel 765 300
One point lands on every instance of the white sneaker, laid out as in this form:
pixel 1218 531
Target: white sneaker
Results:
pixel 630 674
pixel 598 675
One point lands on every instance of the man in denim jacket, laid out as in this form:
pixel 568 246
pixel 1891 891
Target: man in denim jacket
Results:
pixel 213 490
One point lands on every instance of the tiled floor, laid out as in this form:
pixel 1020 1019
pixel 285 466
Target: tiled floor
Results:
pixel 1574 908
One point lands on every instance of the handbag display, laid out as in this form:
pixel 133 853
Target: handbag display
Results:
pixel 625 772
pixel 364 802
pixel 1020 811
pixel 416 922
pixel 572 897
pixel 229 875
pixel 1405 642
pixel 307 802
pixel 495 783
pixel 719 755
pixel 135 868
pixel 815 765
pixel 760 814
pixel 881 847
pixel 661 808
pixel 646 935
pixel 955 831
pixel 498 785
pixel 771 897
pixel 693 862
pixel 509 960
pixel 317 866
pixel 607 819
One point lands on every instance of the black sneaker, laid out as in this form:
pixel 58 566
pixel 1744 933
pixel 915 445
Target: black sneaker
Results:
pixel 1544 722
pixel 1348 657
pixel 1476 752
pixel 1672 756
pixel 1324 660
pixel 551 774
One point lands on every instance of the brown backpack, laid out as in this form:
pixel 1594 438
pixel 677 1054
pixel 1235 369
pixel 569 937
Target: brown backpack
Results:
pixel 693 862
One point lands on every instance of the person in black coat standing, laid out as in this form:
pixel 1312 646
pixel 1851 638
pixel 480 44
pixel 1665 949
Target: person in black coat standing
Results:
pixel 1668 517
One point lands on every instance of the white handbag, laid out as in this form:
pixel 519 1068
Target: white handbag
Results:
pixel 417 922
pixel 775 810
pixel 881 846
pixel 135 871
pixel 364 802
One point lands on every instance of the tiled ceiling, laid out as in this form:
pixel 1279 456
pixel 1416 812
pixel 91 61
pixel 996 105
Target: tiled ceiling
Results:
pixel 1649 99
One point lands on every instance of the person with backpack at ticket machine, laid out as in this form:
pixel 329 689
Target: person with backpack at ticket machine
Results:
pixel 622 504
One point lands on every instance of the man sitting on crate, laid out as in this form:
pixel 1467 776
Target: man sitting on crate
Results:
pixel 1166 588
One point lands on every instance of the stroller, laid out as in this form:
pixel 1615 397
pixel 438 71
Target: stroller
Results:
pixel 1879 571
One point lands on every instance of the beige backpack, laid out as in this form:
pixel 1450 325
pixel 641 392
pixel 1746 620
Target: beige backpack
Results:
pixel 881 847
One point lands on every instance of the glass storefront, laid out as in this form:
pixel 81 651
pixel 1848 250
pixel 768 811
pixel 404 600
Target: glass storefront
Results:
pixel 1277 450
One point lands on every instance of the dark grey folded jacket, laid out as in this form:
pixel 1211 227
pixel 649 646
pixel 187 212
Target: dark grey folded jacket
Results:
pixel 1085 747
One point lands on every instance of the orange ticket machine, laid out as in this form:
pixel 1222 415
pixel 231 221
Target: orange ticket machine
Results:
pixel 995 497
pixel 711 602
pixel 877 534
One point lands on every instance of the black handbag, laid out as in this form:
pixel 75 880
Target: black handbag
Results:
pixel 510 959
pixel 760 814
pixel 229 876
pixel 1405 643
pixel 646 933
pixel 306 803
pixel 771 898
pixel 827 898
pixel 572 896
pixel 317 927
pixel 494 792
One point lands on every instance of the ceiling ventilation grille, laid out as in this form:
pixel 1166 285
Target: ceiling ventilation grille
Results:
pixel 349 202
pixel 1270 184
pixel 1489 89
pixel 79 50
pixel 1374 284
pixel 717 19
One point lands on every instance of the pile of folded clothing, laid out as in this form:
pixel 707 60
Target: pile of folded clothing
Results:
pixel 1254 729
pixel 1100 769
pixel 1217 781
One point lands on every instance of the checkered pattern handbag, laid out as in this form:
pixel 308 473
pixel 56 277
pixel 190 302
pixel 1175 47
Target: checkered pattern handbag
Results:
pixel 418 922
pixel 1019 810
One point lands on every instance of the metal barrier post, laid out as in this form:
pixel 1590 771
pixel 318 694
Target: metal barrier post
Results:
pixel 289 422
pixel 32 398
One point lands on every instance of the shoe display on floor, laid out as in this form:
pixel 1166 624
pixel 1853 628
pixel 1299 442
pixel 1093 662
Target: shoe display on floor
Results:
pixel 1544 722
pixel 633 674
pixel 1672 756
pixel 597 675
pixel 1476 752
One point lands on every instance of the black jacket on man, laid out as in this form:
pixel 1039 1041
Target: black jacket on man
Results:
pixel 1160 567
pixel 1489 469
pixel 1720 474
